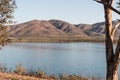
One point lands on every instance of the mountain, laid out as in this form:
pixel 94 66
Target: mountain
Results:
pixel 100 28
pixel 45 28
pixel 68 28
pixel 59 28
pixel 84 27
pixel 34 28
pixel 97 29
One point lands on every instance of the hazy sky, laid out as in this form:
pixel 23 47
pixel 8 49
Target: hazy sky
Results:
pixel 73 11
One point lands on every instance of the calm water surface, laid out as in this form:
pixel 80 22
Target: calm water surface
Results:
pixel 87 59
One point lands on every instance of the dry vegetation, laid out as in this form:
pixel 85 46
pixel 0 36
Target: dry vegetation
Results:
pixel 55 39
pixel 20 73
pixel 7 76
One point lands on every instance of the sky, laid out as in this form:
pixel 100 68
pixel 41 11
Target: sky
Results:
pixel 72 11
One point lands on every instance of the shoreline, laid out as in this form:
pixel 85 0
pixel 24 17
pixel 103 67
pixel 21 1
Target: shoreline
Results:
pixel 54 39
pixel 57 40
pixel 13 76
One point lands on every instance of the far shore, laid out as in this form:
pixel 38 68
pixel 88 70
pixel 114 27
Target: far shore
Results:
pixel 56 39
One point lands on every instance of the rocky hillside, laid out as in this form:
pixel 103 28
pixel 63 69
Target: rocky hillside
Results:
pixel 58 28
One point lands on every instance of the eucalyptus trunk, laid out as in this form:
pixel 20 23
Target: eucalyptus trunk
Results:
pixel 111 59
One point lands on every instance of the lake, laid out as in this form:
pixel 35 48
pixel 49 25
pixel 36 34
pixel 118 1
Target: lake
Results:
pixel 86 59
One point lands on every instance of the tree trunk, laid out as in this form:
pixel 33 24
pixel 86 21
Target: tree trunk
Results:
pixel 112 67
pixel 112 72
pixel 112 58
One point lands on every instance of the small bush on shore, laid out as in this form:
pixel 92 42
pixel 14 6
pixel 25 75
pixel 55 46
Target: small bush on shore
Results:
pixel 20 70
pixel 3 68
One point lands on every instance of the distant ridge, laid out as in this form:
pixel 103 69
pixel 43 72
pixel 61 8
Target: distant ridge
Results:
pixel 58 28
pixel 45 28
pixel 69 29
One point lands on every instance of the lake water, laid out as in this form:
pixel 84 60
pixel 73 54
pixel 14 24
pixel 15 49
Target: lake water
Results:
pixel 86 59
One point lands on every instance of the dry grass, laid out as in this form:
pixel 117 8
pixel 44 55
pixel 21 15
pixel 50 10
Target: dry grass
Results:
pixel 55 39
pixel 7 76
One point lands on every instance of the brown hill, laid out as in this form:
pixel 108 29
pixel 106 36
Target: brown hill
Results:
pixel 90 30
pixel 100 28
pixel 45 28
pixel 34 28
pixel 84 27
pixel 97 29
pixel 58 28
pixel 68 28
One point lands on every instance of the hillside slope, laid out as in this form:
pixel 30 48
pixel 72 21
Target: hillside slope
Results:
pixel 58 29
pixel 34 28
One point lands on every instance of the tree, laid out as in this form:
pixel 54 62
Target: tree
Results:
pixel 112 57
pixel 6 14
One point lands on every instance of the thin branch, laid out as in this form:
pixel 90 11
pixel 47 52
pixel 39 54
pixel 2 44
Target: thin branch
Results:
pixel 111 2
pixel 116 58
pixel 99 1
pixel 112 8
pixel 108 5
pixel 117 52
pixel 115 28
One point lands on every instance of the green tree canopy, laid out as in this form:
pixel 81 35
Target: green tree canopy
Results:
pixel 6 17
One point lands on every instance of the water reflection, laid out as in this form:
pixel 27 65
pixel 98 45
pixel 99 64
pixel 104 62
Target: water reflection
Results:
pixel 35 46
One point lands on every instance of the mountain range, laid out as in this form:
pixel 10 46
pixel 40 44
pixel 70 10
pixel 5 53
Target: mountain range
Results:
pixel 58 28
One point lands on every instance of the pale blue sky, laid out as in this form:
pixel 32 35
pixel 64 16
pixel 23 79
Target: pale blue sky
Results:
pixel 73 11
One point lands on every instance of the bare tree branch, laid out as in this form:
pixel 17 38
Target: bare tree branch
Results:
pixel 108 5
pixel 115 28
pixel 112 58
pixel 117 52
pixel 112 8
pixel 111 2
pixel 116 61
pixel 99 1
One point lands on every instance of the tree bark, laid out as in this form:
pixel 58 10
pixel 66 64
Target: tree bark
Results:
pixel 112 64
pixel 112 58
